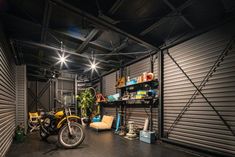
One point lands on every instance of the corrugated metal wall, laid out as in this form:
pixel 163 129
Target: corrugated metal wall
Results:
pixel 44 101
pixel 65 85
pixel 134 113
pixel 155 65
pixel 138 115
pixel 138 68
pixel 199 124
pixel 110 111
pixel 109 82
pixel 21 97
pixel 7 101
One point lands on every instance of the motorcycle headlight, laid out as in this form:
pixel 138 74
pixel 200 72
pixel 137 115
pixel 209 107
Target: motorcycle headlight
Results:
pixel 47 122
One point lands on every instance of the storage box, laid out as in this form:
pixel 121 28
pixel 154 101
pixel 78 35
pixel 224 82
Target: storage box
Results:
pixel 147 136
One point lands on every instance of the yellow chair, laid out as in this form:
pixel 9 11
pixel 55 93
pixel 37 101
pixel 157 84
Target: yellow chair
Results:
pixel 105 124
pixel 33 121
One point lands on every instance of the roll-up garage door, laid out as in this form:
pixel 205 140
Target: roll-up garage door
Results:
pixel 138 68
pixel 138 115
pixel 7 102
pixel 135 113
pixel 21 97
pixel 108 88
pixel 155 66
pixel 108 83
pixel 203 118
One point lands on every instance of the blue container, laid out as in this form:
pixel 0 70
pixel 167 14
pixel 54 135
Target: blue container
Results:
pixel 147 136
pixel 96 119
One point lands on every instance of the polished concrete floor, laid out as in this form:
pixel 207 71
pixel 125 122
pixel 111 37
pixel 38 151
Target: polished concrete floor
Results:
pixel 96 144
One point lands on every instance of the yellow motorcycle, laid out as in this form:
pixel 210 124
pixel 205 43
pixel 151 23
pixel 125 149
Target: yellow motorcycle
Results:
pixel 70 132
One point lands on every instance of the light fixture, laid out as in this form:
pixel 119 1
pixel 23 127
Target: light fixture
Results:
pixel 93 66
pixel 62 59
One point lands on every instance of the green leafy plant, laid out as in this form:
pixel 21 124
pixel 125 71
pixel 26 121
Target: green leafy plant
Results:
pixel 86 102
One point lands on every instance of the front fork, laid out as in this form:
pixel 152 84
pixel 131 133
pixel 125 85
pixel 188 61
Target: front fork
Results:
pixel 69 126
pixel 68 112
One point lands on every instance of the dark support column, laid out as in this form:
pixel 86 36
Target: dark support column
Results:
pixel 55 94
pixel 121 105
pixel 101 91
pixel 75 95
pixel 101 84
pixel 50 96
pixel 151 115
pixel 151 103
pixel 36 95
pixel 160 94
pixel 151 64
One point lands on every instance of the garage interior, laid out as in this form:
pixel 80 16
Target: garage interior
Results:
pixel 117 78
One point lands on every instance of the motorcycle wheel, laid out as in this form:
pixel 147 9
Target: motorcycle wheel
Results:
pixel 71 141
pixel 43 134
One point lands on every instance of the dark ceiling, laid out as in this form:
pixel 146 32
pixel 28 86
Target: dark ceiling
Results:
pixel 114 32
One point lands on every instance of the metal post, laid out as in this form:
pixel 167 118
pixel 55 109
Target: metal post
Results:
pixel 50 96
pixel 101 91
pixel 151 115
pixel 101 84
pixel 151 63
pixel 75 94
pixel 55 92
pixel 160 94
pixel 151 102
pixel 36 95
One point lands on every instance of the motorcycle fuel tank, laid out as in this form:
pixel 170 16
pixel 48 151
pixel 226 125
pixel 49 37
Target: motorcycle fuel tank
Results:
pixel 59 114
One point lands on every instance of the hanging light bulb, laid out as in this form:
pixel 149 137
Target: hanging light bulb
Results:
pixel 62 58
pixel 93 66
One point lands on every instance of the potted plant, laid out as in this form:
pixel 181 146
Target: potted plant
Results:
pixel 86 101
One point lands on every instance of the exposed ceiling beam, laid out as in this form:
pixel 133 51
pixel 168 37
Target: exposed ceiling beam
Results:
pixel 43 60
pixel 100 22
pixel 52 31
pixel 123 45
pixel 46 20
pixel 94 44
pixel 174 9
pixel 89 37
pixel 115 7
pixel 165 18
pixel 71 52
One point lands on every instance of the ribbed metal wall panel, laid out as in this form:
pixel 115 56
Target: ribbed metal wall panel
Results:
pixel 110 111
pixel 155 66
pixel 7 101
pixel 200 125
pixel 109 82
pixel 138 115
pixel 138 68
pixel 21 96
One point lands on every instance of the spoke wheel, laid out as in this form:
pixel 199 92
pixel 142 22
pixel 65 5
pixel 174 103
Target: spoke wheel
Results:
pixel 68 140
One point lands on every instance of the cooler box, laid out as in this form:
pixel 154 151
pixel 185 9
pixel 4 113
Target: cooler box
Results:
pixel 147 136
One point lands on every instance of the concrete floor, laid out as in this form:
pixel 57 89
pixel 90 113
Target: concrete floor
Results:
pixel 101 144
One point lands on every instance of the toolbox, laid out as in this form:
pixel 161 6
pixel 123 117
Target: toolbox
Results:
pixel 147 136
